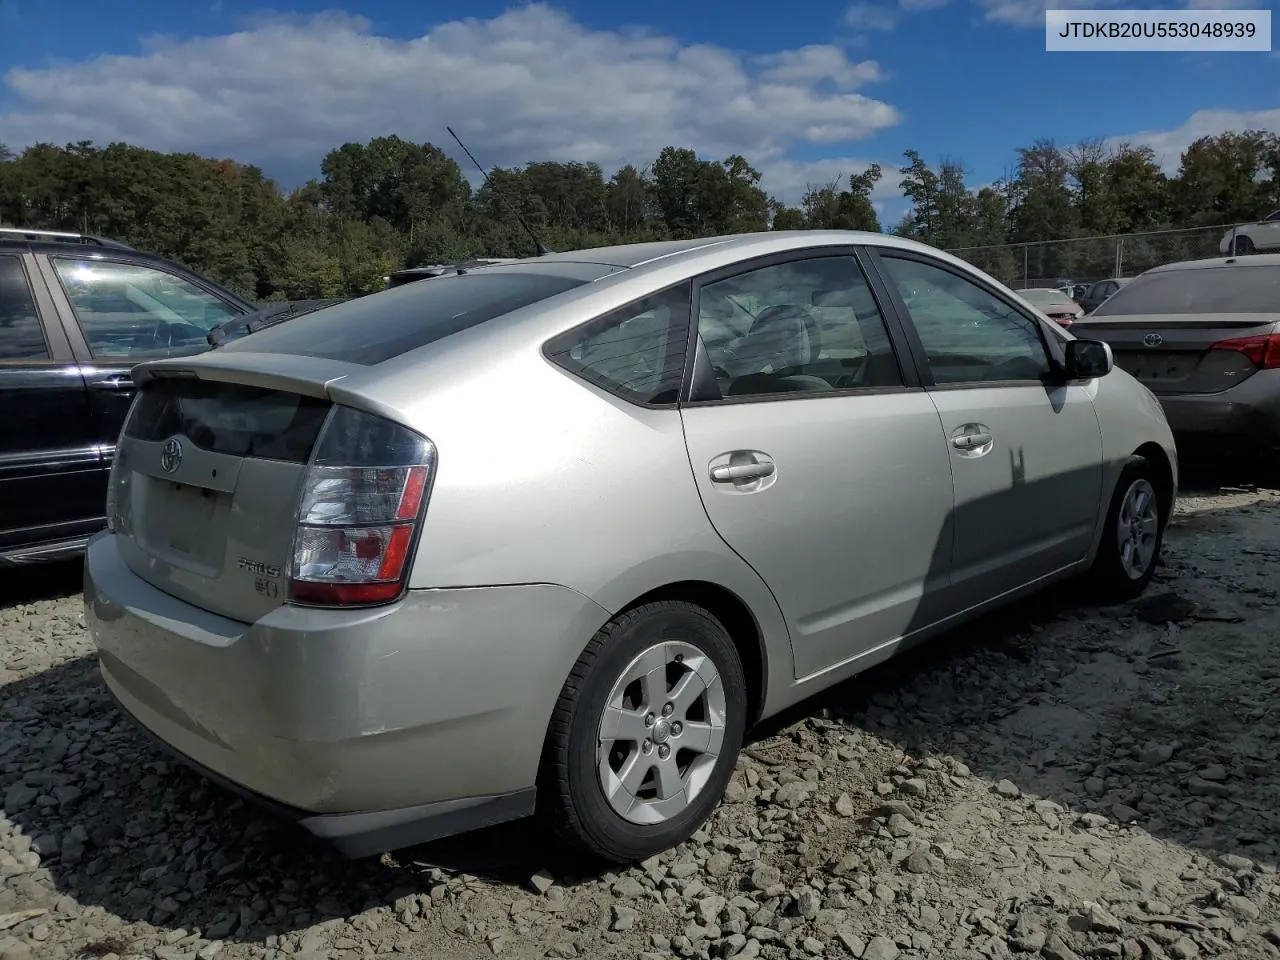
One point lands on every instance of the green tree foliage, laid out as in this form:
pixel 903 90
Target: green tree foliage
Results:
pixel 380 205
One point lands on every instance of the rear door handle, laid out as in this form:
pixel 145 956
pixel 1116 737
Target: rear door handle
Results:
pixel 742 471
pixel 969 441
pixel 112 383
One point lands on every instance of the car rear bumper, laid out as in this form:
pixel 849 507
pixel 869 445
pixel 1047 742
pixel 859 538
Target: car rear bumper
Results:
pixel 1246 415
pixel 373 729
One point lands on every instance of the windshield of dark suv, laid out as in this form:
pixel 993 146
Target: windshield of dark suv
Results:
pixel 1227 289
pixel 383 325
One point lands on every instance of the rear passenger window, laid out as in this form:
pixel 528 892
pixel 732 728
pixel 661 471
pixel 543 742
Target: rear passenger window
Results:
pixel 968 334
pixel 804 326
pixel 636 352
pixel 21 336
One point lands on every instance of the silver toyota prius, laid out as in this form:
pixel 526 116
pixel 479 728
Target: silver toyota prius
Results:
pixel 550 536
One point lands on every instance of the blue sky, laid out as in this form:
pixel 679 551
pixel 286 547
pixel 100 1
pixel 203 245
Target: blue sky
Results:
pixel 805 89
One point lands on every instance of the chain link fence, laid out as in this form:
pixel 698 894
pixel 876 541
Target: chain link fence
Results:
pixel 1084 260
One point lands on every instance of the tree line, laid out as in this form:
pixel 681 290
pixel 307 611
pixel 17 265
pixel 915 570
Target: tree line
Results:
pixel 388 203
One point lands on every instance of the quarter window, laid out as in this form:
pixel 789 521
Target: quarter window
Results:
pixel 21 337
pixel 968 334
pixel 804 326
pixel 131 311
pixel 636 352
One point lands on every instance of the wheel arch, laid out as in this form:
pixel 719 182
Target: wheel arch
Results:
pixel 736 617
pixel 1154 454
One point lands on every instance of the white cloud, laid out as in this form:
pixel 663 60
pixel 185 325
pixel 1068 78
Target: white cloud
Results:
pixel 1030 13
pixel 813 64
pixel 529 84
pixel 1170 144
pixel 870 16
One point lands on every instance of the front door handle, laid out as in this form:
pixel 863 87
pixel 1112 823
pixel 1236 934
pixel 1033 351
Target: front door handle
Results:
pixel 969 441
pixel 742 471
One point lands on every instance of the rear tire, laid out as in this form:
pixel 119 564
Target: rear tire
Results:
pixel 1243 247
pixel 1132 535
pixel 646 733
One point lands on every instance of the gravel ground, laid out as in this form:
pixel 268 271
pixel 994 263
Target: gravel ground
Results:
pixel 1055 781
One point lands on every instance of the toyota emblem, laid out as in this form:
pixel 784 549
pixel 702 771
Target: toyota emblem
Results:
pixel 171 455
pixel 1153 339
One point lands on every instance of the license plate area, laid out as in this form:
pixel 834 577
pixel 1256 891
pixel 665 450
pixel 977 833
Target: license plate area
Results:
pixel 1168 368
pixel 182 524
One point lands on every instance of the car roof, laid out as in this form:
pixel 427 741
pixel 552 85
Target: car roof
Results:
pixel 1253 260
pixel 741 245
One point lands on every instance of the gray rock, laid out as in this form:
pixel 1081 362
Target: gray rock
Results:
pixel 792 795
pixel 1098 919
pixel 719 864
pixel 1055 948
pixel 1155 753
pixel 1242 907
pixel 844 806
pixel 914 787
pixel 808 903
pixel 765 876
pixel 628 888
pixel 1124 813
pixel 1008 789
pixel 542 881
pixel 900 826
pixel 922 862
pixel 1183 949
pixel 880 948
pixel 1238 864
pixel 1029 942
pixel 622 918
pixel 851 941
pixel 849 863
pixel 710 908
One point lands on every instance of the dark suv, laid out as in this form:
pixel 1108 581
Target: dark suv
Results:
pixel 76 314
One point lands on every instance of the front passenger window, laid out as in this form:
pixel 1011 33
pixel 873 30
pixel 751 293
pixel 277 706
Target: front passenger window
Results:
pixel 968 334
pixel 128 311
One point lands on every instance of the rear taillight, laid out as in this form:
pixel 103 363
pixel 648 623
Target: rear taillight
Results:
pixel 118 471
pixel 363 498
pixel 1264 351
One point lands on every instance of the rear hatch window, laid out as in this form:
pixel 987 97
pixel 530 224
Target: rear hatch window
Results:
pixel 383 325
pixel 1204 290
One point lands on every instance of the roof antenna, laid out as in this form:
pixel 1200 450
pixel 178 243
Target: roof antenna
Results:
pixel 537 244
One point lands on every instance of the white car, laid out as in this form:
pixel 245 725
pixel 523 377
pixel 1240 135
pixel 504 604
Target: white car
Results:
pixel 1252 237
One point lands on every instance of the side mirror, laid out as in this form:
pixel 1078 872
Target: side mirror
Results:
pixel 1087 359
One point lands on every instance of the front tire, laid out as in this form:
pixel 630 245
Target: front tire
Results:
pixel 1133 535
pixel 645 734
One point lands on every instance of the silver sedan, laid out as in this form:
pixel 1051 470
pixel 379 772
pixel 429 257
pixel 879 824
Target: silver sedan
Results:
pixel 551 535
